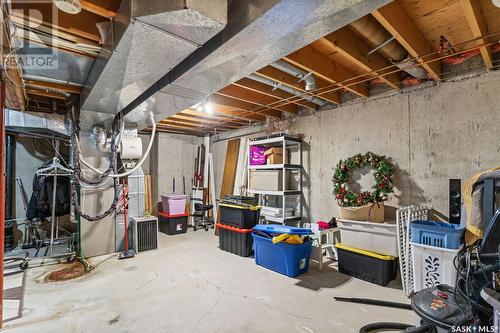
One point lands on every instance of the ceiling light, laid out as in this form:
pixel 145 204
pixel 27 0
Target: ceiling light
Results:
pixel 208 107
pixel 68 6
pixel 496 3
pixel 205 106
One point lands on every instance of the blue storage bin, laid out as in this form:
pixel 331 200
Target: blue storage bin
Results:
pixel 287 259
pixel 438 234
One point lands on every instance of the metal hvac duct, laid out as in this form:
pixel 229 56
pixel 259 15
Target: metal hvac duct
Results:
pixel 258 32
pixel 143 42
pixel 38 124
pixel 315 100
pixel 308 78
pixel 371 30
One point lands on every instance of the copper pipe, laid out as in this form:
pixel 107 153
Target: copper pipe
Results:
pixel 371 75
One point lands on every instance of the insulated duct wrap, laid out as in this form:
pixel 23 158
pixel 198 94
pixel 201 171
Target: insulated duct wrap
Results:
pixel 99 138
pixel 410 67
pixel 372 31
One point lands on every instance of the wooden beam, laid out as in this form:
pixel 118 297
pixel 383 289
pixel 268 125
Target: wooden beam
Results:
pixel 237 104
pixel 355 49
pixel 161 129
pixel 229 111
pixel 185 129
pixel 12 76
pixel 278 76
pixel 55 43
pixel 20 21
pixel 178 123
pixel 72 89
pixel 209 117
pixel 477 23
pixel 310 60
pixel 203 122
pixel 395 20
pixel 37 92
pixel 178 126
pixel 267 90
pixel 248 96
pixel 176 129
pixel 174 120
pixel 97 9
pixel 35 14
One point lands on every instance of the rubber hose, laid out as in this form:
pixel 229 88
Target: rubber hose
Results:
pixel 406 328
pixel 369 301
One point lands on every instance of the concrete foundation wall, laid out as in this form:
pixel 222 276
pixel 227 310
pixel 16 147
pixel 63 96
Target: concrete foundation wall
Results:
pixel 172 156
pixel 433 134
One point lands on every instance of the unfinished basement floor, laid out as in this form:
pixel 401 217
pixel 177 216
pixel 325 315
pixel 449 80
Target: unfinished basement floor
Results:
pixel 189 285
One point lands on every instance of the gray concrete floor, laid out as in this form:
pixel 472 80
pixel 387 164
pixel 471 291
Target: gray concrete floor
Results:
pixel 189 285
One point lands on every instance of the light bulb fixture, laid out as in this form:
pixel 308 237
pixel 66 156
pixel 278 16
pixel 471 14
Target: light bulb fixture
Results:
pixel 208 108
pixel 496 3
pixel 68 6
pixel 205 106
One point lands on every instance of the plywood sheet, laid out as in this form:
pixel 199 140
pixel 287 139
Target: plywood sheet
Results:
pixel 230 166
pixel 492 17
pixel 439 18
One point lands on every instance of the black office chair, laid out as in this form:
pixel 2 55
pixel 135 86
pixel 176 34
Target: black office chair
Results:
pixel 202 216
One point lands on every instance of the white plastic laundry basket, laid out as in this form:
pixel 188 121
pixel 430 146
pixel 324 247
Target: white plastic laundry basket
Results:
pixel 404 216
pixel 432 266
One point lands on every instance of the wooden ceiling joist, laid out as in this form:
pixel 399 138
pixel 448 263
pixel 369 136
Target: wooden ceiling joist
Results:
pixel 211 117
pixel 355 49
pixel 50 94
pixel 176 125
pixel 179 129
pixel 280 77
pixel 14 92
pixel 475 19
pixel 98 9
pixel 248 96
pixel 399 24
pixel 277 94
pixel 72 89
pixel 321 66
pixel 175 120
pixel 245 106
pixel 204 122
pixel 233 112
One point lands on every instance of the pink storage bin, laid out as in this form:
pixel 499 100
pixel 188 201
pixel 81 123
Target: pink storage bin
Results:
pixel 174 204
pixel 257 156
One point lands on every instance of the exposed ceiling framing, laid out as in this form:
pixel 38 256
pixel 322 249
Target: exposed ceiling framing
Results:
pixel 344 64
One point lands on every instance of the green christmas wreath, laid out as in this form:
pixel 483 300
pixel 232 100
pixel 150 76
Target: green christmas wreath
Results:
pixel 384 172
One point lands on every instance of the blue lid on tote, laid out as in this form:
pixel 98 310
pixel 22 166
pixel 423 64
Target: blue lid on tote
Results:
pixel 282 229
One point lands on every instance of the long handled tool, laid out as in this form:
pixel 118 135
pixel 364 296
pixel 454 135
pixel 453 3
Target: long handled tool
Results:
pixel 126 253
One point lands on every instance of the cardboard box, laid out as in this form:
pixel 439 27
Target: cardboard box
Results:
pixel 266 180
